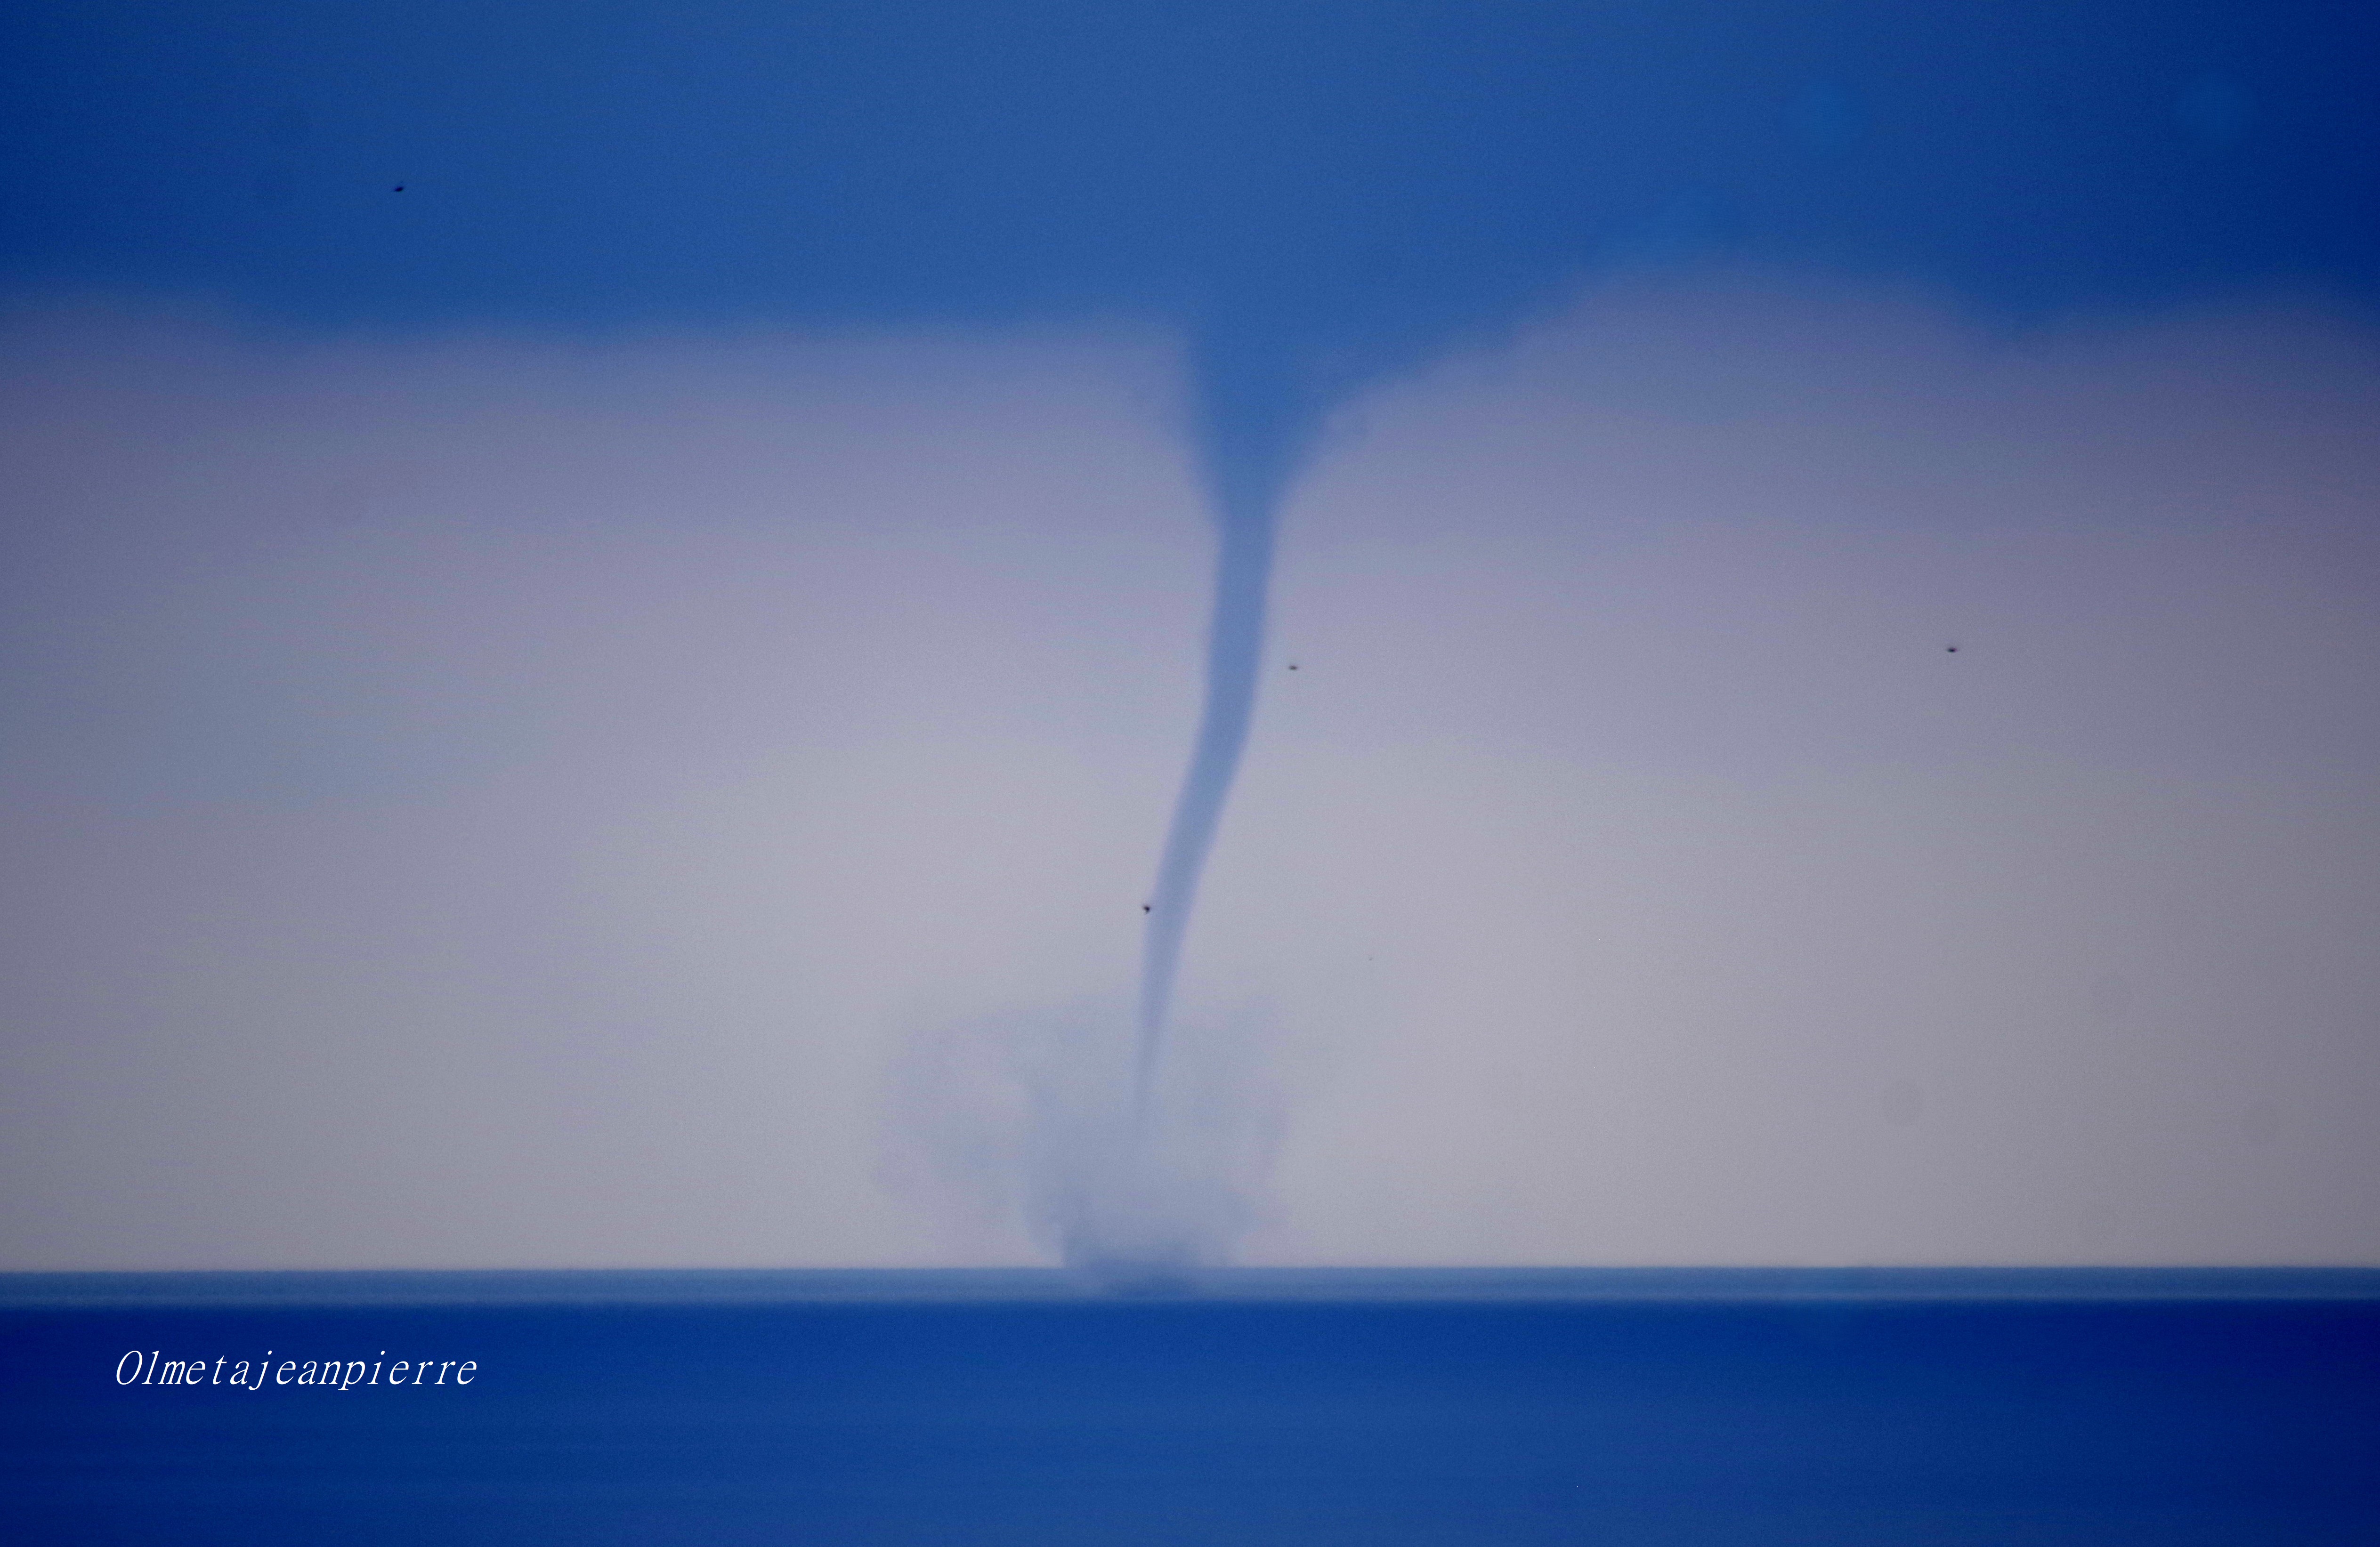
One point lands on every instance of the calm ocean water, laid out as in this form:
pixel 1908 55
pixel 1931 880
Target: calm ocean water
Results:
pixel 1738 1407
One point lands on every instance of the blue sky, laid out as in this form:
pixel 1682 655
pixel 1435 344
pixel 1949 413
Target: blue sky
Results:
pixel 619 705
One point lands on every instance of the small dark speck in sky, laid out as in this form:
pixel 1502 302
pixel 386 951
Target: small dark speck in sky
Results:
pixel 1293 666
pixel 1952 650
pixel 400 188
pixel 1144 907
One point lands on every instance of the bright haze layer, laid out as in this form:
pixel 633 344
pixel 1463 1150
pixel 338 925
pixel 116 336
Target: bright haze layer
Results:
pixel 604 608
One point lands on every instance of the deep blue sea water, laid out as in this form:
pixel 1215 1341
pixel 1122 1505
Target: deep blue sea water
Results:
pixel 1746 1407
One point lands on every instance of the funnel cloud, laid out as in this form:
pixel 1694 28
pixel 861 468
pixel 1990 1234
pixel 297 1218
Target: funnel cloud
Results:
pixel 1251 425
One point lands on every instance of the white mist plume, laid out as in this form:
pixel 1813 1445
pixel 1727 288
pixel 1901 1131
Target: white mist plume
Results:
pixel 1025 1127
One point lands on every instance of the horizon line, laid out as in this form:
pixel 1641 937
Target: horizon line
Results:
pixel 528 1286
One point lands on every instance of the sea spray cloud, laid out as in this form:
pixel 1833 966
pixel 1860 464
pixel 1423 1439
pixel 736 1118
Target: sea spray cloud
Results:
pixel 1025 1128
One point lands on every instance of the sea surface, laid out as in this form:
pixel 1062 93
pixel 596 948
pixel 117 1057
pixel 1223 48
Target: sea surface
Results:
pixel 1249 1406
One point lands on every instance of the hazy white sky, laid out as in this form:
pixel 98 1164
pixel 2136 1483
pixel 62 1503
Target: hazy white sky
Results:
pixel 512 801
